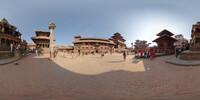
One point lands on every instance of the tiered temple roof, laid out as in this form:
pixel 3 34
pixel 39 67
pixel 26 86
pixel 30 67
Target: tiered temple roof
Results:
pixel 165 35
pixel 41 35
pixel 165 32
pixel 8 29
pixel 92 39
pixel 117 36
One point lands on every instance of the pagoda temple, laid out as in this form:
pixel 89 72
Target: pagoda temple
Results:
pixel 165 42
pixel 119 41
pixel 42 41
pixel 8 35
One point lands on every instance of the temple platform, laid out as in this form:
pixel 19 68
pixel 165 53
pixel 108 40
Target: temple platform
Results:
pixel 6 54
pixel 190 55
pixel 4 48
pixel 195 48
pixel 180 62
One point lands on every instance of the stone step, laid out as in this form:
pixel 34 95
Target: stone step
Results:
pixel 4 48
pixel 6 54
pixel 195 48
pixel 190 55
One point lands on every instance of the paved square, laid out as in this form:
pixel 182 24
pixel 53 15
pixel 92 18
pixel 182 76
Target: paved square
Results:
pixel 93 77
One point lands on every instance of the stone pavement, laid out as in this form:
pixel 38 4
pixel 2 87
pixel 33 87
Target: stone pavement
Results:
pixel 5 51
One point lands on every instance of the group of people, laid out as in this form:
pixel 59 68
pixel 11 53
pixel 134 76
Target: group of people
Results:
pixel 15 47
pixel 145 53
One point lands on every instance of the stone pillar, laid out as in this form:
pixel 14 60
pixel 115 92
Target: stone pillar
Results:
pixel 51 28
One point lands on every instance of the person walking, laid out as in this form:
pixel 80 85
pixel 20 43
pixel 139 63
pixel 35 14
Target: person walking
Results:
pixel 55 54
pixel 176 53
pixel 148 54
pixel 82 53
pixel 145 54
pixel 11 47
pixel 154 53
pixel 102 54
pixel 151 55
pixel 36 52
pixel 141 54
pixel 124 55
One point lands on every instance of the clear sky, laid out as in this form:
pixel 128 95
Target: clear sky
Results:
pixel 134 19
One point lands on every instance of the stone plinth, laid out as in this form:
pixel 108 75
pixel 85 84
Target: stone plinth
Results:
pixel 190 55
pixel 4 48
pixel 6 54
pixel 195 48
pixel 194 52
pixel 186 63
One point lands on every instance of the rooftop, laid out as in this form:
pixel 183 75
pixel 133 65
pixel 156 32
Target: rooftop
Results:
pixel 42 33
pixel 92 39
pixel 166 37
pixel 165 32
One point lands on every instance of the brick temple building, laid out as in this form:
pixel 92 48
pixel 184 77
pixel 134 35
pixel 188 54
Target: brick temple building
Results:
pixel 119 41
pixel 165 42
pixel 93 45
pixel 42 41
pixel 8 34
